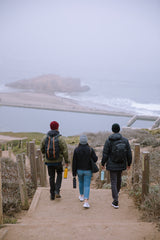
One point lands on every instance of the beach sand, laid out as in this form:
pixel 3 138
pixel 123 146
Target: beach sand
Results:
pixel 50 102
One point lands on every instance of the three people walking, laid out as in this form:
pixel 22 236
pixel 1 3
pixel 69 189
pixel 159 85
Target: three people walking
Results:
pixel 116 155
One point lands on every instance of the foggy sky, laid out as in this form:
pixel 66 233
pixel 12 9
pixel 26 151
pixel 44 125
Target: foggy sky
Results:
pixel 83 38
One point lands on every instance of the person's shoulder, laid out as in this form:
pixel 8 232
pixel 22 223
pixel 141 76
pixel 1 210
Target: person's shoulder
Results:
pixel 76 149
pixel 44 137
pixel 107 141
pixel 62 139
pixel 124 138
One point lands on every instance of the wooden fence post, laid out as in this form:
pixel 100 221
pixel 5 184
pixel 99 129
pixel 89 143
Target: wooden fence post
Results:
pixel 9 151
pixel 136 166
pixel 33 163
pixel 24 158
pixel 145 174
pixel 38 165
pixel 44 173
pixel 130 174
pixel 22 182
pixel 42 169
pixel 1 202
pixel 27 147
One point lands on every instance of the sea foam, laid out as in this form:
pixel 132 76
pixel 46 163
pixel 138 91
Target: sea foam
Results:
pixel 114 104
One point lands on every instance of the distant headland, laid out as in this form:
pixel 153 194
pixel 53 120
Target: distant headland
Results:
pixel 50 83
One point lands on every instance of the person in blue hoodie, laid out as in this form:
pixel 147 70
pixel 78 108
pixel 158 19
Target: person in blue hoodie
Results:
pixel 117 156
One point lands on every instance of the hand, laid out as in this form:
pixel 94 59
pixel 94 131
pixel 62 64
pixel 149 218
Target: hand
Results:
pixel 66 164
pixel 103 167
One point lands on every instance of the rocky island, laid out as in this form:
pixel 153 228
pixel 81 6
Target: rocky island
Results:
pixel 49 84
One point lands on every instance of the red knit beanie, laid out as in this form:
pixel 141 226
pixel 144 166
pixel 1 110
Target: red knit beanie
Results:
pixel 54 125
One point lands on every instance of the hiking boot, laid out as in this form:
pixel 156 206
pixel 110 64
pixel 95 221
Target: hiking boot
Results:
pixel 57 195
pixel 86 205
pixel 52 197
pixel 115 204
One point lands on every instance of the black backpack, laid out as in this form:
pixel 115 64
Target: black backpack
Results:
pixel 119 151
pixel 52 147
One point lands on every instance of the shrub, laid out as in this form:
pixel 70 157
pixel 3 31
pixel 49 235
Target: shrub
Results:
pixel 151 204
pixel 10 187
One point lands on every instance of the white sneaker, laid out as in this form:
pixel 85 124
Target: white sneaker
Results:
pixel 86 205
pixel 81 198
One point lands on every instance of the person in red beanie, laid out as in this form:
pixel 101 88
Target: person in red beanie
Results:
pixel 55 165
pixel 54 125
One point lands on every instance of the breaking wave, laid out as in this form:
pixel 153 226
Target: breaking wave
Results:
pixel 115 104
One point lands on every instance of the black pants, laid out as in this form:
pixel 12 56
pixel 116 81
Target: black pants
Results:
pixel 55 186
pixel 115 183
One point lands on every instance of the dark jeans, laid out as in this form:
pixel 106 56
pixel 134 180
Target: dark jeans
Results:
pixel 55 186
pixel 115 183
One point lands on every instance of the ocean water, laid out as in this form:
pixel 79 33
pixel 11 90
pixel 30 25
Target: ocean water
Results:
pixel 141 98
pixel 104 96
pixel 35 120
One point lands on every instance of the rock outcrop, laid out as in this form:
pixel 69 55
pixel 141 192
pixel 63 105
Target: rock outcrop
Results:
pixel 50 83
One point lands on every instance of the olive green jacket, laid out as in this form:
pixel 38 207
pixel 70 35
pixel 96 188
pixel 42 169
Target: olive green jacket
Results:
pixel 63 150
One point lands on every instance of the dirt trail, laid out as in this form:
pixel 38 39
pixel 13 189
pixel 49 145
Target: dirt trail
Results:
pixel 66 218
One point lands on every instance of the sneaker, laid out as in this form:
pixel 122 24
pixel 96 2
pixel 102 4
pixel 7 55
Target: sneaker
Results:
pixel 57 195
pixel 81 198
pixel 86 205
pixel 115 204
pixel 52 197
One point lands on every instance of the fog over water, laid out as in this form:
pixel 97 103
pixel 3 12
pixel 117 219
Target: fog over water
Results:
pixel 112 46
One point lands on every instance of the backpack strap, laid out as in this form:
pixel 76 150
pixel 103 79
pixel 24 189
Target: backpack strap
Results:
pixel 48 145
pixel 54 153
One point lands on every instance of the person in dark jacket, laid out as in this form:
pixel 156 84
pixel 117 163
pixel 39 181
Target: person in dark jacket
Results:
pixel 56 166
pixel 112 164
pixel 81 165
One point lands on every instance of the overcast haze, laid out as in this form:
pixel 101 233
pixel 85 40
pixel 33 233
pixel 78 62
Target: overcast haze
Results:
pixel 85 39
pixel 111 45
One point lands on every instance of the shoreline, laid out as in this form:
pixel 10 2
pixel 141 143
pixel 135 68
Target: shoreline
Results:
pixel 49 102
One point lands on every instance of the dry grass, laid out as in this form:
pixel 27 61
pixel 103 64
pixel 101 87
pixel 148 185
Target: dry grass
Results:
pixel 10 189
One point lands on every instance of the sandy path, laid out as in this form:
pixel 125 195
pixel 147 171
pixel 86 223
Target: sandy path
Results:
pixel 5 139
pixel 67 219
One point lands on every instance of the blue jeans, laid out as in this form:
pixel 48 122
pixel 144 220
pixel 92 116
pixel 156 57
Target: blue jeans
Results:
pixel 84 178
